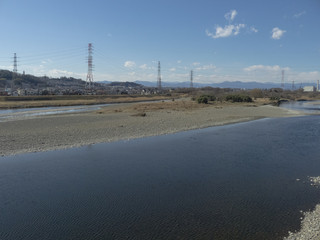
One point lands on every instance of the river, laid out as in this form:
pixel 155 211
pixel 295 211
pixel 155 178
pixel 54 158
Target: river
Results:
pixel 23 113
pixel 240 181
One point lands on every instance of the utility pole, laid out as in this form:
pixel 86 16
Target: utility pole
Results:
pixel 191 79
pixel 282 79
pixel 89 80
pixel 159 77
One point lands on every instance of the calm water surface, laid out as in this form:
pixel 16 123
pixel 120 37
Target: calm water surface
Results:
pixel 306 106
pixel 22 113
pixel 231 182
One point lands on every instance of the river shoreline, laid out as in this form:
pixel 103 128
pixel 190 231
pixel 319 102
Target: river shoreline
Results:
pixel 136 120
pixel 124 121
pixel 310 227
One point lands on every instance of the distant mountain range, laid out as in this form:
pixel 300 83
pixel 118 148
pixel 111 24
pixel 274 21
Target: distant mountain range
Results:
pixel 236 84
pixel 22 80
pixel 25 80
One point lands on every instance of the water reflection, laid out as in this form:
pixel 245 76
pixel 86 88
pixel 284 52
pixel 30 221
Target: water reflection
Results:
pixel 14 114
pixel 306 106
pixel 230 182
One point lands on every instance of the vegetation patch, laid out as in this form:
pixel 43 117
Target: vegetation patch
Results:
pixel 202 99
pixel 205 98
pixel 238 98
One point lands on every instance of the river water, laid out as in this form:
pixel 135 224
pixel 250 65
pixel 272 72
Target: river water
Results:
pixel 306 106
pixel 237 181
pixel 23 113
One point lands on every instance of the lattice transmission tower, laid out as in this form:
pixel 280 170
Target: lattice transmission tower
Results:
pixel 191 79
pixel 15 70
pixel 89 80
pixel 282 78
pixel 15 64
pixel 159 76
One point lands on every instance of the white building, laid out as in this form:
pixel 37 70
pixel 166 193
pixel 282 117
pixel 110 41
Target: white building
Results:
pixel 309 89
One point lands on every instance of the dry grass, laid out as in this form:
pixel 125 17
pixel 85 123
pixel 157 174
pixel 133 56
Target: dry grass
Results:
pixel 182 105
pixel 4 104
pixel 178 105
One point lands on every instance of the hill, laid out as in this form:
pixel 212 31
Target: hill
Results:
pixel 31 81
pixel 125 84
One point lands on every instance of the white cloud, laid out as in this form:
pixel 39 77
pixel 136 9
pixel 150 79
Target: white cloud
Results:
pixel 132 73
pixel 253 29
pixel 275 68
pixel 237 28
pixel 179 61
pixel 231 15
pixel 129 64
pixel 227 31
pixel 59 73
pixel 297 15
pixel 143 66
pixel 221 32
pixel 9 67
pixel 196 64
pixel 306 76
pixel 277 33
pixel 172 69
pixel 63 73
pixel 206 67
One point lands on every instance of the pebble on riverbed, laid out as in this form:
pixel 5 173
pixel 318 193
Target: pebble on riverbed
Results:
pixel 310 225
pixel 315 181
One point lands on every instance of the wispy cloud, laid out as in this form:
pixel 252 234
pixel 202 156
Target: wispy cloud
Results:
pixel 129 64
pixel 253 29
pixel 297 15
pixel 307 76
pixel 132 74
pixel 8 67
pixel 277 33
pixel 230 16
pixel 64 73
pixel 227 31
pixel 206 67
pixel 275 68
pixel 143 66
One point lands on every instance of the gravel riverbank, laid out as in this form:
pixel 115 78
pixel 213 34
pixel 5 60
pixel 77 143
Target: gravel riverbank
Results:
pixel 310 224
pixel 124 121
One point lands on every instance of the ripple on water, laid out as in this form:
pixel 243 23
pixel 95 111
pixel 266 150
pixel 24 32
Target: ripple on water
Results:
pixel 231 182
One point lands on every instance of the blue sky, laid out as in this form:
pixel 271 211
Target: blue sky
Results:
pixel 227 40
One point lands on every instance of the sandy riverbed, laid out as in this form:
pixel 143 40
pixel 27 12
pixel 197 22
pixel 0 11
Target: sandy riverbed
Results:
pixel 124 121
